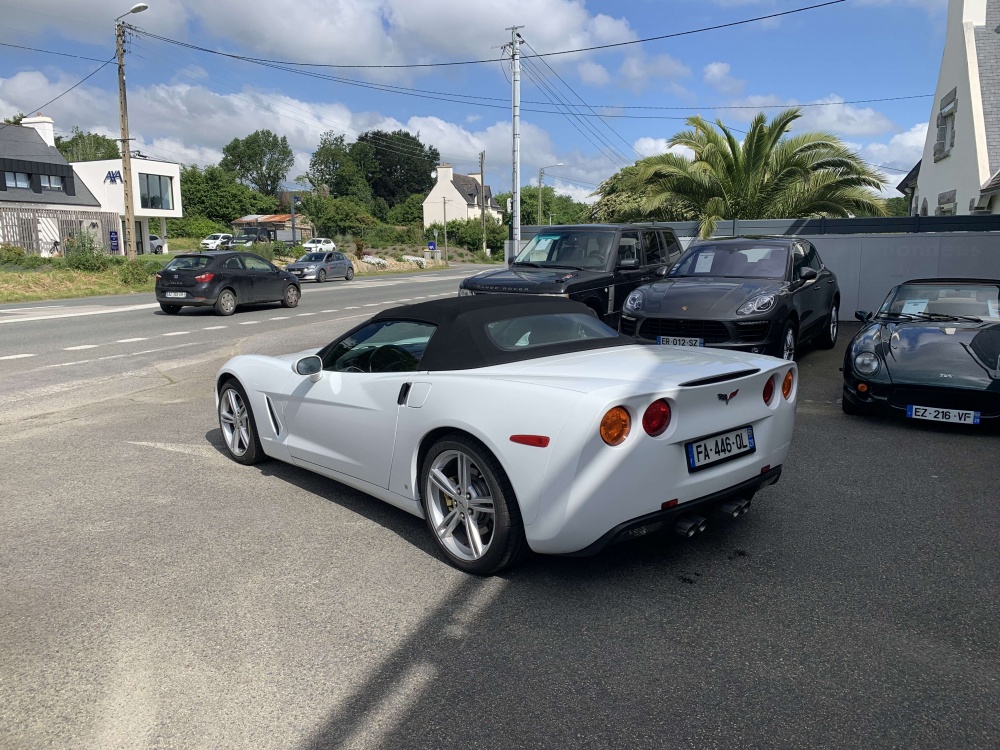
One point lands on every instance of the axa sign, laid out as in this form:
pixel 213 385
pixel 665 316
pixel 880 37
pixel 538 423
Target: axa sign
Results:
pixel 114 176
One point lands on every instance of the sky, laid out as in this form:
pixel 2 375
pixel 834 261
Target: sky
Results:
pixel 186 104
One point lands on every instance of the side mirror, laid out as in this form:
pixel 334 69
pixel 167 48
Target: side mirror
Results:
pixel 808 274
pixel 311 366
pixel 628 263
pixel 662 271
pixel 863 315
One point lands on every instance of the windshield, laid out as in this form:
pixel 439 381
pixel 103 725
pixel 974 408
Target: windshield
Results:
pixel 576 248
pixel 312 258
pixel 738 261
pixel 944 300
pixel 215 236
pixel 188 261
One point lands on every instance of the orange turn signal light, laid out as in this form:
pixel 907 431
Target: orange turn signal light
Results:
pixel 862 387
pixel 786 384
pixel 616 425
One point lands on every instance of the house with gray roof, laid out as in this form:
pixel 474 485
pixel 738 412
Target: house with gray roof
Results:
pixel 458 197
pixel 959 172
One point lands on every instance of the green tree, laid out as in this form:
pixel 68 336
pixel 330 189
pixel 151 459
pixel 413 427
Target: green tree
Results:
pixel 399 164
pixel 897 206
pixel 410 211
pixel 14 119
pixel 767 175
pixel 556 209
pixel 337 215
pixel 469 234
pixel 214 194
pixel 261 160
pixel 87 146
pixel 621 199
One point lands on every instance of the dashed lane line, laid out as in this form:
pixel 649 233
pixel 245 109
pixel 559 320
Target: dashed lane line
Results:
pixel 130 341
pixel 81 347
pixel 249 322
pixel 373 304
pixel 213 328
pixel 303 315
pixel 124 308
pixel 176 333
pixel 16 356
pixel 279 317
pixel 352 307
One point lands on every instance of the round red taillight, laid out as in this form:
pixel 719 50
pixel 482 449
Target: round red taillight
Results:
pixel 769 390
pixel 656 418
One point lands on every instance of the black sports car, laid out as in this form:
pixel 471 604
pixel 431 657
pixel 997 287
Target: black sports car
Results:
pixel 764 295
pixel 932 351
pixel 223 280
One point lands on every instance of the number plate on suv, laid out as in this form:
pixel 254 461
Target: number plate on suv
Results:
pixel 716 449
pixel 679 341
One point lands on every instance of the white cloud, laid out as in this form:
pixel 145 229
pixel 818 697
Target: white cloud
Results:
pixel 901 151
pixel 834 115
pixel 639 72
pixel 716 75
pixel 655 146
pixel 594 74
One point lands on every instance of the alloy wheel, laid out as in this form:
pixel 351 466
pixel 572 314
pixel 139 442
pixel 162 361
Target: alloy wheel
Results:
pixel 834 314
pixel 235 422
pixel 460 505
pixel 788 345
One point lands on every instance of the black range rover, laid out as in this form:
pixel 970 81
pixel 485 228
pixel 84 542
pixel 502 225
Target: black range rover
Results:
pixel 596 264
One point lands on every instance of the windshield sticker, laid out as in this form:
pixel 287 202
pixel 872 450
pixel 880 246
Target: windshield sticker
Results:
pixel 994 308
pixel 704 263
pixel 914 306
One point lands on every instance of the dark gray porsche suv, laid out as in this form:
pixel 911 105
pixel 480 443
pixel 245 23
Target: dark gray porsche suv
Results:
pixel 223 280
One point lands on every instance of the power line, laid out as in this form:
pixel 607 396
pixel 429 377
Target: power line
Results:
pixel 50 52
pixel 660 37
pixel 78 83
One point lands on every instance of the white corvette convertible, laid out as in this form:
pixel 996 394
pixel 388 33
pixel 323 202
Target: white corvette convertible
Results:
pixel 513 422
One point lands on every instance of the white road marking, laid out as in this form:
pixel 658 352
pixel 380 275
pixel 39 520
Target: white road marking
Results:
pixel 325 311
pixel 280 317
pixel 129 341
pixel 31 309
pixel 126 308
pixel 249 322
pixel 404 299
pixel 374 304
pixel 17 356
pixel 79 348
pixel 67 364
pixel 213 328
pixel 177 333
pixel 418 297
pixel 302 315
pixel 354 307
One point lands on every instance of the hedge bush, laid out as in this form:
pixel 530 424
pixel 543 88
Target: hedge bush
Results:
pixel 134 273
pixel 84 254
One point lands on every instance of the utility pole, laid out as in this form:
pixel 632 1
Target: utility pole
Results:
pixel 125 140
pixel 515 55
pixel 444 211
pixel 482 191
pixel 541 172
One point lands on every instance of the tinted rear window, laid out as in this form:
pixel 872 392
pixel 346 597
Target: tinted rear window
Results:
pixel 545 330
pixel 188 261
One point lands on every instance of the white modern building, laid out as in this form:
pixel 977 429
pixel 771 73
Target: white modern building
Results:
pixel 959 172
pixel 156 193
pixel 458 197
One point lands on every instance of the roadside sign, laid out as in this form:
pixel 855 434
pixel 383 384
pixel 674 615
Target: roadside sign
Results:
pixel 113 236
pixel 432 246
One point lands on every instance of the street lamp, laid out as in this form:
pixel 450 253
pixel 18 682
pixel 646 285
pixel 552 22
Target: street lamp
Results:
pixel 541 174
pixel 123 120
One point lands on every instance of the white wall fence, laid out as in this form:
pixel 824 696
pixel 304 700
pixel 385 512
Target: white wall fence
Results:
pixel 38 229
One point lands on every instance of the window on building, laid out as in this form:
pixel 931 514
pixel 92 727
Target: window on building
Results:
pixel 16 179
pixel 155 191
pixel 52 182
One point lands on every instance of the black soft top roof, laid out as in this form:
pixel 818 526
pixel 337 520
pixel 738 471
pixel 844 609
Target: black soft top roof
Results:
pixel 951 281
pixel 462 343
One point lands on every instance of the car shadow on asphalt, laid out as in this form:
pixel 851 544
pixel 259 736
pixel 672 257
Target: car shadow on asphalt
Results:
pixel 189 311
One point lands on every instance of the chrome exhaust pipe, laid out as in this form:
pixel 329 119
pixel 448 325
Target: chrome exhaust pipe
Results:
pixel 733 509
pixel 688 526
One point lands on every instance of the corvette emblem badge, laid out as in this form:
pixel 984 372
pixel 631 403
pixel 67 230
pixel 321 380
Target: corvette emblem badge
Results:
pixel 728 397
pixel 685 307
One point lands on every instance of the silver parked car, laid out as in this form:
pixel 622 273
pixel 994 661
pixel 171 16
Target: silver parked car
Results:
pixel 321 266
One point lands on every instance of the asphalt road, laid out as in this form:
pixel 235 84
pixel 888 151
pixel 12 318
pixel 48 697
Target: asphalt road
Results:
pixel 154 593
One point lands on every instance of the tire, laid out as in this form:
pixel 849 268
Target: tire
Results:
pixel 500 534
pixel 827 339
pixel 226 303
pixel 239 430
pixel 350 273
pixel 291 296
pixel 170 309
pixel 321 276
pixel 781 348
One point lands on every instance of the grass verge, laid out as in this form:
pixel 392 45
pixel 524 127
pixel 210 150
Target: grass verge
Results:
pixel 38 286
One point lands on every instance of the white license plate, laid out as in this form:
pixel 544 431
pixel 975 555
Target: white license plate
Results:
pixel 679 341
pixel 955 416
pixel 716 449
pixel 176 294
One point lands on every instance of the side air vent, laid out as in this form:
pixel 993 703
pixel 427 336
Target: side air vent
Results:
pixel 275 425
pixel 720 378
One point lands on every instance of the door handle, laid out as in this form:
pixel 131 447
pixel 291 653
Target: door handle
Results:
pixel 404 391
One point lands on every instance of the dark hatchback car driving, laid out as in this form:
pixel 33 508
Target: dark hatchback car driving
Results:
pixel 596 264
pixel 223 280
pixel 759 294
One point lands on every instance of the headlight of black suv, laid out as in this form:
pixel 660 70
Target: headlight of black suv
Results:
pixel 634 302
pixel 760 304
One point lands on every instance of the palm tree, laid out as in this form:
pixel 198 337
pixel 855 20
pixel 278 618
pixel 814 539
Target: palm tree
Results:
pixel 767 175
